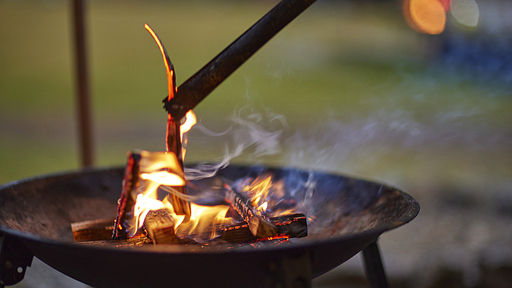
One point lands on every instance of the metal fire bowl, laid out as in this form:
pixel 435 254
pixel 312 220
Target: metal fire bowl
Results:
pixel 350 214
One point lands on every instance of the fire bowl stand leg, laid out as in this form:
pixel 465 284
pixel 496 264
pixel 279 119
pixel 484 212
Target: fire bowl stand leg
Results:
pixel 14 259
pixel 373 266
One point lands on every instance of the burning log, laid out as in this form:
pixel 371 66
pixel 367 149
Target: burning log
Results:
pixel 157 167
pixel 293 225
pixel 126 202
pixel 289 226
pixel 259 227
pixel 160 227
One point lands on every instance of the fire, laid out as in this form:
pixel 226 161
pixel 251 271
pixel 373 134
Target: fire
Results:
pixel 268 196
pixel 259 191
pixel 155 181
pixel 144 204
pixel 204 221
pixel 190 121
pixel 160 171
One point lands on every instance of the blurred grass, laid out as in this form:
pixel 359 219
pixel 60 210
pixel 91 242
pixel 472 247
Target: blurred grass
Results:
pixel 357 68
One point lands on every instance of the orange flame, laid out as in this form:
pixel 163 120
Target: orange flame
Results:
pixel 205 221
pixel 259 191
pixel 159 169
pixel 190 121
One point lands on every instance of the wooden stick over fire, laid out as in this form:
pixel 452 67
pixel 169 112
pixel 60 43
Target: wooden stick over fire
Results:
pixel 173 136
pixel 197 87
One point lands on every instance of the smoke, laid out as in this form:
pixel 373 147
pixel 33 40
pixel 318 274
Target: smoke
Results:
pixel 257 133
pixel 424 123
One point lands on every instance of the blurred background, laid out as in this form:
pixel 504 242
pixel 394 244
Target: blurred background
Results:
pixel 414 93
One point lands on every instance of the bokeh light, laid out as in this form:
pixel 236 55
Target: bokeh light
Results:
pixel 466 12
pixel 425 16
pixel 429 16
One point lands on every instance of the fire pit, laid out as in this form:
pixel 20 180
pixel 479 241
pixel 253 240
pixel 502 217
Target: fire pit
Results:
pixel 35 217
pixel 345 215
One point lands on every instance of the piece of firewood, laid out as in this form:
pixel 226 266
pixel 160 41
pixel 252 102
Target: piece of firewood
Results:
pixel 140 162
pixel 126 202
pixel 291 226
pixel 92 230
pixel 132 242
pixel 239 233
pixel 259 227
pixel 160 227
pixel 173 138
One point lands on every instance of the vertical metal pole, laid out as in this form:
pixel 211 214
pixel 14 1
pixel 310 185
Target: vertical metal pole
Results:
pixel 83 106
pixel 373 266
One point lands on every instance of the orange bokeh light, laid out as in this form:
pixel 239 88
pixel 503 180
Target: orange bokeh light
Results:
pixel 425 16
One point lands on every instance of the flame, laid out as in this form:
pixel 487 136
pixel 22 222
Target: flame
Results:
pixel 143 204
pixel 162 170
pixel 164 178
pixel 259 191
pixel 190 121
pixel 268 196
pixel 205 222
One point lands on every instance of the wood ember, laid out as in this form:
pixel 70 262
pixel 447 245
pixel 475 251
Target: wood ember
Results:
pixel 92 230
pixel 237 234
pixel 291 226
pixel 259 227
pixel 160 227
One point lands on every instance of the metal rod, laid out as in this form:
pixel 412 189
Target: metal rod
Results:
pixel 373 266
pixel 197 87
pixel 83 107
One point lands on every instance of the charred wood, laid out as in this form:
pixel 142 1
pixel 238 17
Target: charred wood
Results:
pixel 290 226
pixel 130 183
pixel 293 225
